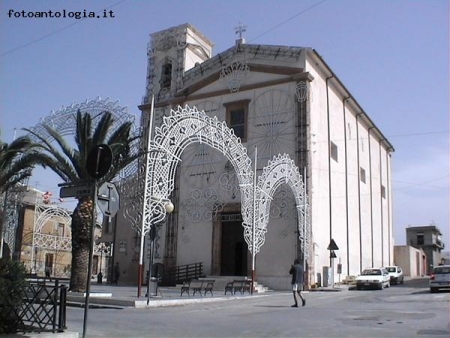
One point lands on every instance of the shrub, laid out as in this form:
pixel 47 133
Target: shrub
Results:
pixel 12 287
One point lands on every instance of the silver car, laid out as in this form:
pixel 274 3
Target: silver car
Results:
pixel 440 278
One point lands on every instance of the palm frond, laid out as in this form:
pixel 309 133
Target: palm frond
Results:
pixel 103 127
pixel 62 163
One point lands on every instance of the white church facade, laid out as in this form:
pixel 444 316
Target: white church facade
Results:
pixel 277 100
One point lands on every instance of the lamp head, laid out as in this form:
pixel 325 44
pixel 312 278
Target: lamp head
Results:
pixel 169 207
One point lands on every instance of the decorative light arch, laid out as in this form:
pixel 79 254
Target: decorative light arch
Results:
pixel 53 213
pixel 64 121
pixel 278 171
pixel 182 127
pixel 43 214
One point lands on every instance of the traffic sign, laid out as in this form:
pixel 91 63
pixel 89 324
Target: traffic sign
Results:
pixel 108 199
pixel 332 245
pixel 80 190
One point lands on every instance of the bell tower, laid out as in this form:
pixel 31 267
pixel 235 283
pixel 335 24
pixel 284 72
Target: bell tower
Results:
pixel 171 53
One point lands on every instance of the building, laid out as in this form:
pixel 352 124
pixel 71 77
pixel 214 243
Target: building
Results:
pixel 445 257
pixel 412 260
pixel 278 100
pixel 41 236
pixel 428 238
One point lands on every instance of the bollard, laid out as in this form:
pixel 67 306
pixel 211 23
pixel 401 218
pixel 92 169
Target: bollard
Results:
pixel 62 309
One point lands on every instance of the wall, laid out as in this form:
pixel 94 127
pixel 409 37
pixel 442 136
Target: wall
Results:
pixel 410 259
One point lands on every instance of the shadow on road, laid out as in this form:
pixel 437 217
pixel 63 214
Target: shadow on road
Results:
pixel 278 306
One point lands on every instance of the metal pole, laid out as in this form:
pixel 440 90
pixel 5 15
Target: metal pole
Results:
pixel 254 220
pixel 101 258
pixel 141 252
pixel 150 267
pixel 91 253
pixel 304 220
pixel 3 221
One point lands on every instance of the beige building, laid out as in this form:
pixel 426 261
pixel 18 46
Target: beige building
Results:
pixel 412 260
pixel 280 100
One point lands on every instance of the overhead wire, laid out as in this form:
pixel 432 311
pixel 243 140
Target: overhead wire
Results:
pixel 289 19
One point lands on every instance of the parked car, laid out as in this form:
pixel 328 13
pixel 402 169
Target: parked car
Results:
pixel 395 274
pixel 377 278
pixel 440 278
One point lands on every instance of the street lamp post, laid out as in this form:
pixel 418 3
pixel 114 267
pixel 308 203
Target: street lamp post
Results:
pixel 254 221
pixel 152 234
pixel 166 203
pixel 103 248
pixel 141 251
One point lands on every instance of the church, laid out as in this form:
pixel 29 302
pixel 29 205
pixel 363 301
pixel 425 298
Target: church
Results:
pixel 281 102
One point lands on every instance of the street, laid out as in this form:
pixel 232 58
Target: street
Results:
pixel 408 310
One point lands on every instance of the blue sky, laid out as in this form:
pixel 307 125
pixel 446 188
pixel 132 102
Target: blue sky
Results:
pixel 392 55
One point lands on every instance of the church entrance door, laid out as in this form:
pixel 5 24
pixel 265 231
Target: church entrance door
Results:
pixel 233 260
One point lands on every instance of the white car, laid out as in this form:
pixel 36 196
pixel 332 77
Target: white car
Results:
pixel 396 274
pixel 440 278
pixel 377 278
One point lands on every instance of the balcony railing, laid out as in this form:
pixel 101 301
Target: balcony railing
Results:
pixel 179 274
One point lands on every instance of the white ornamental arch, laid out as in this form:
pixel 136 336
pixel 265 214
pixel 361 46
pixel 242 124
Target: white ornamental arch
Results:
pixel 43 215
pixel 278 171
pixel 51 214
pixel 181 128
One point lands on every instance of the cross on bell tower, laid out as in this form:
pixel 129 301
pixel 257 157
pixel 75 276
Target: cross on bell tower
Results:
pixel 240 29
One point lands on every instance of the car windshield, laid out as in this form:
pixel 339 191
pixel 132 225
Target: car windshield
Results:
pixel 390 269
pixel 442 270
pixel 371 272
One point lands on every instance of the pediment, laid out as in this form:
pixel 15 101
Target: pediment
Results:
pixel 249 64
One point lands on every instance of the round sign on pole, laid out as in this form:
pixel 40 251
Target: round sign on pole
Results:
pixel 99 161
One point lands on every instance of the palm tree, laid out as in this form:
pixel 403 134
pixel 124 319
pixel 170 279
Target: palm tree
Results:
pixel 70 165
pixel 14 167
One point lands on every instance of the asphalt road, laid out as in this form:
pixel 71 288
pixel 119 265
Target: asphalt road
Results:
pixel 408 310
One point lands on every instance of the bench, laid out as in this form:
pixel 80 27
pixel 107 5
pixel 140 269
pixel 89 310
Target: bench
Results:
pixel 198 285
pixel 240 285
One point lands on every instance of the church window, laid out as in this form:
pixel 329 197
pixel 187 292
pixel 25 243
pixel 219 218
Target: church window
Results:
pixel 237 114
pixel 166 75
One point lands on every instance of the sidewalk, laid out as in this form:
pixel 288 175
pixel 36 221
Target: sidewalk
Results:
pixel 126 296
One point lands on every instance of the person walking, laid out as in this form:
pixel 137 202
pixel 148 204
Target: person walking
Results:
pixel 297 282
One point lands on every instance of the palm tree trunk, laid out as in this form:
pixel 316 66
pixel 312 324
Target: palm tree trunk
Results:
pixel 81 224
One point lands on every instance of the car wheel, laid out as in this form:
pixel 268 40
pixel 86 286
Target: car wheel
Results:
pixel 401 282
pixel 380 287
pixel 358 288
pixel 433 290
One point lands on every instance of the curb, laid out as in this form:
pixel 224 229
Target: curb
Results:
pixel 139 304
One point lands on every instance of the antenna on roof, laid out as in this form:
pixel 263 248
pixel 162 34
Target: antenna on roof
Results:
pixel 240 29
